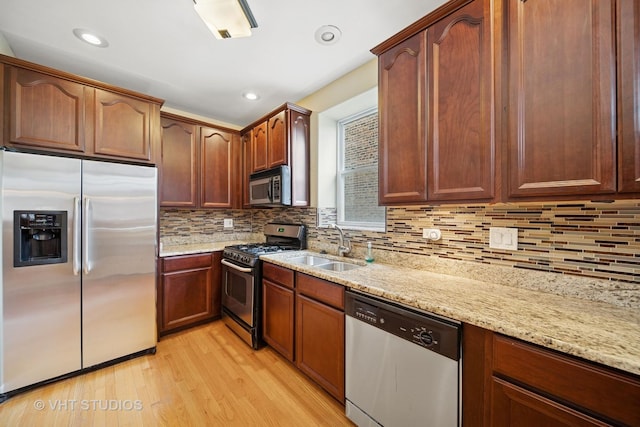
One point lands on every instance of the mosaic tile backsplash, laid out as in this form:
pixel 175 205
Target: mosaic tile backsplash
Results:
pixel 585 239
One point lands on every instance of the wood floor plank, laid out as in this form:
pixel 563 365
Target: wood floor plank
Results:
pixel 202 376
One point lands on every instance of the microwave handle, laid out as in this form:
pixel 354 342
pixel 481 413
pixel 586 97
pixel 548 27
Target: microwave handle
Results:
pixel 270 190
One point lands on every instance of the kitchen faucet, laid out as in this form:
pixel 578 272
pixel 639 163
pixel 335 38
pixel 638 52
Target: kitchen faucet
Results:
pixel 344 247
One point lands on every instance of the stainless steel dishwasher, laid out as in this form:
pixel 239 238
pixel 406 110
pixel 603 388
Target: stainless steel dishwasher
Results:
pixel 402 366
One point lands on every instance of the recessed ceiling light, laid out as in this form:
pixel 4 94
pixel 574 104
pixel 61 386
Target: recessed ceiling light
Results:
pixel 328 34
pixel 90 37
pixel 251 96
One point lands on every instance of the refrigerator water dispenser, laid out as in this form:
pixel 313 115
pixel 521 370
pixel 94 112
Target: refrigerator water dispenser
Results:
pixel 39 237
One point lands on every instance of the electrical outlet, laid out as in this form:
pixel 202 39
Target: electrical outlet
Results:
pixel 228 223
pixel 431 233
pixel 503 238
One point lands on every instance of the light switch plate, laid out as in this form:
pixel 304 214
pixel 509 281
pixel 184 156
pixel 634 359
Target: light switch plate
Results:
pixel 503 238
pixel 228 223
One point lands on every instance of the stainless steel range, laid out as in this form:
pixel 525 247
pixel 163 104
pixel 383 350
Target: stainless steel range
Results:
pixel 242 278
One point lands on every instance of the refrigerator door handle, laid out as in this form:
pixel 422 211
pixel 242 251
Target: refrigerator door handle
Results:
pixel 85 236
pixel 77 235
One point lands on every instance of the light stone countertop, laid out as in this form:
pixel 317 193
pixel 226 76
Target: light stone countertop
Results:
pixel 167 250
pixel 593 330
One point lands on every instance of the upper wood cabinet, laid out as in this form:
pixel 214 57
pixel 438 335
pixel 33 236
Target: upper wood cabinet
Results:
pixel 33 96
pixel 281 138
pixel 52 111
pixel 219 168
pixel 509 100
pixel 628 19
pixel 272 139
pixel 402 142
pixel 560 85
pixel 298 149
pixel 436 131
pixel 277 148
pixel 179 163
pixel 199 165
pixel 461 149
pixel 259 147
pixel 122 126
pixel 245 139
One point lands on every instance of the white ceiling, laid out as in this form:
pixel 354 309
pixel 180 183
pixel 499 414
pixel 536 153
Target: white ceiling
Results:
pixel 162 48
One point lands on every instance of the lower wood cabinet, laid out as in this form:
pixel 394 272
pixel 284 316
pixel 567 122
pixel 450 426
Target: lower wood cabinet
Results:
pixel 278 309
pixel 508 382
pixel 320 332
pixel 303 320
pixel 189 291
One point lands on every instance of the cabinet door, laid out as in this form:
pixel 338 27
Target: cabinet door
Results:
pixel 122 126
pixel 259 147
pixel 320 344
pixel 299 159
pixel 45 111
pixel 218 168
pixel 178 164
pixel 186 297
pixel 402 140
pixel 277 318
pixel 277 152
pixel 216 284
pixel 515 406
pixel 561 97
pixel 246 168
pixel 628 19
pixel 461 145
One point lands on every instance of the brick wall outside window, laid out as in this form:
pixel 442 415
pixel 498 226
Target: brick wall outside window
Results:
pixel 360 170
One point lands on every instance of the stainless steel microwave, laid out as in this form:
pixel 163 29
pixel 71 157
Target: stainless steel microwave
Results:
pixel 271 187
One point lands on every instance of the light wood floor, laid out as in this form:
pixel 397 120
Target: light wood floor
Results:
pixel 204 376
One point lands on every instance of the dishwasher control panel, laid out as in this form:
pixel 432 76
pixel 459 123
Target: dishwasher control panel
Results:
pixel 429 331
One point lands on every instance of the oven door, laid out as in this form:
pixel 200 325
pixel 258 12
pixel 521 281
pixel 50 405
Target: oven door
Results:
pixel 238 284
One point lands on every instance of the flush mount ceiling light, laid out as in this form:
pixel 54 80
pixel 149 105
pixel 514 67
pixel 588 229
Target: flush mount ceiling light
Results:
pixel 328 34
pixel 90 37
pixel 226 18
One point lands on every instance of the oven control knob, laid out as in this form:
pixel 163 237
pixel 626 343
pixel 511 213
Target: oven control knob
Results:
pixel 426 338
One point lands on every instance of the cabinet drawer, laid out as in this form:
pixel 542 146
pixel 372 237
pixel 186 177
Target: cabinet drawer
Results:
pixel 604 391
pixel 278 274
pixel 321 290
pixel 186 262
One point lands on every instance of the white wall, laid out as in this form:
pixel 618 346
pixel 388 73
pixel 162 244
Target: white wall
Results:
pixel 349 94
pixel 5 49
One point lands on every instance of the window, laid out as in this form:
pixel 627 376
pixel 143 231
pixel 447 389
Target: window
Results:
pixel 357 191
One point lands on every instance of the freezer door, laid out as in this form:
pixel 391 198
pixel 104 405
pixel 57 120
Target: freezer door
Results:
pixel 119 268
pixel 40 304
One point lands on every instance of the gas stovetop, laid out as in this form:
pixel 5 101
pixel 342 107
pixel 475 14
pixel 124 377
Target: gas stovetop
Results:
pixel 249 254
pixel 280 237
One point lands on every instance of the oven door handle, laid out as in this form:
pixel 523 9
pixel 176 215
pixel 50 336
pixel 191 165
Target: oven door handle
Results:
pixel 235 267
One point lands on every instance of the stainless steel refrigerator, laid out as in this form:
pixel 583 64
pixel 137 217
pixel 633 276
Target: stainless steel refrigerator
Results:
pixel 78 265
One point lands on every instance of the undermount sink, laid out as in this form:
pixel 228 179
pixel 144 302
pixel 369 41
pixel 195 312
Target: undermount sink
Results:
pixel 338 266
pixel 310 260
